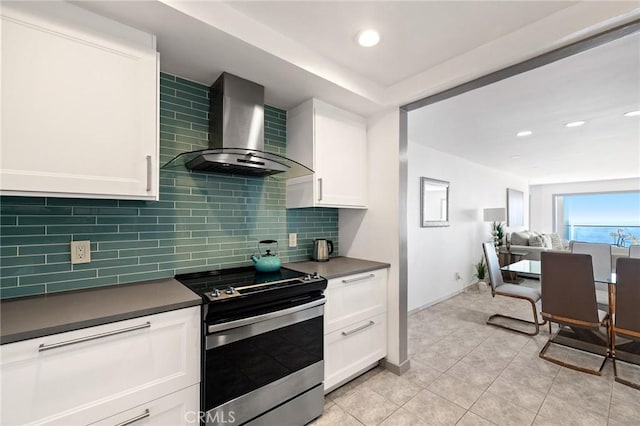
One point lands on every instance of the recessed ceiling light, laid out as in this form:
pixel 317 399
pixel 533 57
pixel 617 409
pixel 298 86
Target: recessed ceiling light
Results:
pixel 368 38
pixel 575 124
pixel 524 133
pixel 632 113
pixel 515 157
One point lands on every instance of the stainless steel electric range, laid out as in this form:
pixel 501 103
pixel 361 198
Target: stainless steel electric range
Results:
pixel 262 346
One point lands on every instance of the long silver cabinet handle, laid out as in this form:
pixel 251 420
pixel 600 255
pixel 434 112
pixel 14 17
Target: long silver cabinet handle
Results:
pixel 351 280
pixel 44 347
pixel 149 173
pixel 319 189
pixel 144 415
pixel 355 330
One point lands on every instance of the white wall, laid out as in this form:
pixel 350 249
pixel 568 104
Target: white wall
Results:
pixel 542 197
pixel 372 234
pixel 436 254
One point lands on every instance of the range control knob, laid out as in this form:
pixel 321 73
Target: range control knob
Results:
pixel 230 290
pixel 316 275
pixel 307 277
pixel 215 293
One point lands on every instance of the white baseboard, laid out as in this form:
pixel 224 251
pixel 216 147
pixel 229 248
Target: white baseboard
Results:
pixel 441 299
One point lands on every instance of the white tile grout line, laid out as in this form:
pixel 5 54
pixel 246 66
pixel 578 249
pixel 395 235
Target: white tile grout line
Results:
pixel 498 376
pixel 611 399
pixel 531 339
pixel 467 410
pixel 552 383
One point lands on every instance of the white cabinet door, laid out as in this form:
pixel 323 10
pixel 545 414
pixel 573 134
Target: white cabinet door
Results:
pixel 354 325
pixel 354 298
pixel 86 375
pixel 340 157
pixel 79 107
pixel 177 409
pixel 333 143
pixel 353 348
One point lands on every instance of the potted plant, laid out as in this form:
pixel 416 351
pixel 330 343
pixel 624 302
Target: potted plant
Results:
pixel 481 274
pixel 497 232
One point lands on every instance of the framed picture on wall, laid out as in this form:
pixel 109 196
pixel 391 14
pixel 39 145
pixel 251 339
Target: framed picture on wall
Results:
pixel 515 207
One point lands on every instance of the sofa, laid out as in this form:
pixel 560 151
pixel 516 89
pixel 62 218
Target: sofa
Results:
pixel 534 243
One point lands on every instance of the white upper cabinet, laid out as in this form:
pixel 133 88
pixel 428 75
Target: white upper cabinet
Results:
pixel 79 105
pixel 333 143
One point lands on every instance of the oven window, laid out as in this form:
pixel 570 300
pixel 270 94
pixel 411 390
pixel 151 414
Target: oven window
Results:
pixel 240 367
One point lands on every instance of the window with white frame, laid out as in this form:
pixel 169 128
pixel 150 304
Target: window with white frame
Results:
pixel 607 217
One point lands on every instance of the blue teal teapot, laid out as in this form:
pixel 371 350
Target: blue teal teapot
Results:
pixel 267 262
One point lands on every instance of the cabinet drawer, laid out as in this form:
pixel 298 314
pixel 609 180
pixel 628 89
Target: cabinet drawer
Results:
pixel 349 350
pixel 355 297
pixel 177 409
pixel 98 371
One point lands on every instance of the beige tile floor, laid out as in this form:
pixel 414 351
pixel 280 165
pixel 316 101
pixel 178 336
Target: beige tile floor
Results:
pixel 464 372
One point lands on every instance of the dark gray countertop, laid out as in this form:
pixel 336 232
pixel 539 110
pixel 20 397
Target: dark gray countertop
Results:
pixel 336 267
pixel 37 316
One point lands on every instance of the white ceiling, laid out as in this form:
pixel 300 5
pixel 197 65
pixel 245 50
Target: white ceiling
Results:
pixel 597 86
pixel 415 35
pixel 301 49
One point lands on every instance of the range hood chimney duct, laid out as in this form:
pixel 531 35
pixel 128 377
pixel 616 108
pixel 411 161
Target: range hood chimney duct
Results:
pixel 236 127
pixel 236 114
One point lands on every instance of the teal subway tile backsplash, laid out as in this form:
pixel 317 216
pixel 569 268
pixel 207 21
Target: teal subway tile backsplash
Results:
pixel 202 221
pixel 23 290
pixel 9 251
pixel 8 282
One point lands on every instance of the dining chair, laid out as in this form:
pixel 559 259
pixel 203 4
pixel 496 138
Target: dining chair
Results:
pixel 634 251
pixel 627 321
pixel 601 259
pixel 569 299
pixel 499 288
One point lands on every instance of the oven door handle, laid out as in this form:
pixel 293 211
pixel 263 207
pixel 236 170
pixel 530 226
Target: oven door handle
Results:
pixel 259 318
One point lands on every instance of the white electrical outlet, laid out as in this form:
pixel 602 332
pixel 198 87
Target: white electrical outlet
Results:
pixel 293 240
pixel 80 252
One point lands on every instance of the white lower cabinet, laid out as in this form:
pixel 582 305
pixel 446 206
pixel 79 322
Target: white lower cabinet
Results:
pixel 353 348
pixel 354 298
pixel 177 409
pixel 355 325
pixel 82 376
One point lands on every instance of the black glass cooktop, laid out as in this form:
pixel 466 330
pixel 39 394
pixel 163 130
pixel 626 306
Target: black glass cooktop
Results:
pixel 240 283
pixel 241 292
pixel 205 282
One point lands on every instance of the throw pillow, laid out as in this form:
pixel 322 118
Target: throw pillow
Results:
pixel 546 241
pixel 556 242
pixel 520 238
pixel 536 241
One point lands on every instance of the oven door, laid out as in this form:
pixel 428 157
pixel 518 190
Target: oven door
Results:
pixel 257 363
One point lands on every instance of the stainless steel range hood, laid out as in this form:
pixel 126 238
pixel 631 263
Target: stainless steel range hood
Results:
pixel 236 127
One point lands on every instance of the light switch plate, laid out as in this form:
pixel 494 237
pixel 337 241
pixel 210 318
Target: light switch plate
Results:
pixel 80 252
pixel 293 239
